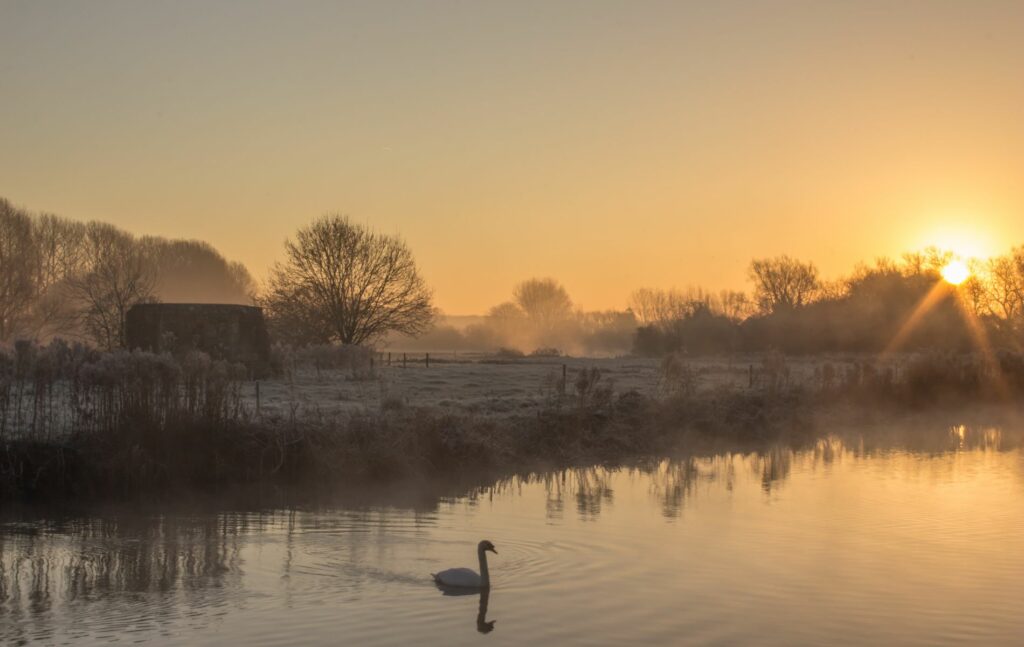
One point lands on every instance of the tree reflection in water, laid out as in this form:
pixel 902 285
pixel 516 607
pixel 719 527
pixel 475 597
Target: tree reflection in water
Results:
pixel 75 562
pixel 95 568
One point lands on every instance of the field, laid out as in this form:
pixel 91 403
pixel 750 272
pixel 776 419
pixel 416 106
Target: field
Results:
pixel 493 386
pixel 471 384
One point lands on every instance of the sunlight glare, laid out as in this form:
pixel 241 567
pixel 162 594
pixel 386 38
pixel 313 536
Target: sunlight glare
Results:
pixel 956 272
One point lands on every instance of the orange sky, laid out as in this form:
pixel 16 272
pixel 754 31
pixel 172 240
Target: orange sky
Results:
pixel 610 145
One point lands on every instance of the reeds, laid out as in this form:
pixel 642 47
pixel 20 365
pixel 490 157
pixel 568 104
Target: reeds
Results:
pixel 61 391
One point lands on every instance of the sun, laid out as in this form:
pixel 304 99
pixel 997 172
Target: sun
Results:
pixel 956 272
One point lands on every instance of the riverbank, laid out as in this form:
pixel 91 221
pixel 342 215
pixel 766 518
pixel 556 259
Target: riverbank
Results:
pixel 138 423
pixel 424 443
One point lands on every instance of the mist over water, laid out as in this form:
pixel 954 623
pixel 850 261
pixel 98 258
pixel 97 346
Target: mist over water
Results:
pixel 779 547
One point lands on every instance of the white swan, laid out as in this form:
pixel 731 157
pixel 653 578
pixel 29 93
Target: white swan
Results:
pixel 467 578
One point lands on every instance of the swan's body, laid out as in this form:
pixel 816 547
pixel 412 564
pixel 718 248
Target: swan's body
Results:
pixel 461 577
pixel 467 578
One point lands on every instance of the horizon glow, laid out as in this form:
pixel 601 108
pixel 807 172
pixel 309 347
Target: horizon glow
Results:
pixel 610 146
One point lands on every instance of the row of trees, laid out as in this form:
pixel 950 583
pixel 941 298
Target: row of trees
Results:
pixel 891 304
pixel 655 307
pixel 343 283
pixel 340 282
pixel 60 277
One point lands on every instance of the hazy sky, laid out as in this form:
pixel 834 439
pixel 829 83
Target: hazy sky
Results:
pixel 610 145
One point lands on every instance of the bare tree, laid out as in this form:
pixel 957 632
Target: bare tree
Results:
pixel 643 304
pixel 782 282
pixel 931 259
pixel 996 288
pixel 60 255
pixel 1004 292
pixel 60 248
pixel 342 282
pixel 974 291
pixel 734 304
pixel 18 260
pixel 662 307
pixel 653 306
pixel 116 276
pixel 544 301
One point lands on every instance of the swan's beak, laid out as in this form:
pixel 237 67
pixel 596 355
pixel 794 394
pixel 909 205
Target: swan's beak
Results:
pixel 493 550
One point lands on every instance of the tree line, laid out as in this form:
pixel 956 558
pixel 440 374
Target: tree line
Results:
pixel 340 282
pixel 63 278
pixel 889 305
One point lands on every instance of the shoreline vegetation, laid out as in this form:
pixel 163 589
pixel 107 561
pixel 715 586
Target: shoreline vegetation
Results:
pixel 77 423
pixel 928 334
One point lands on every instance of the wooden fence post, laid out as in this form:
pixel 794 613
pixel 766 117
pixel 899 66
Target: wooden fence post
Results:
pixel 427 360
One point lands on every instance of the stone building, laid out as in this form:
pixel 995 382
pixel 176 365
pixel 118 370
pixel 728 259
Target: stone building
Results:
pixel 223 331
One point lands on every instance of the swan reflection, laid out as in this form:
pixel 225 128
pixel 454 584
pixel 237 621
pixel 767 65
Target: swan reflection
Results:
pixel 483 625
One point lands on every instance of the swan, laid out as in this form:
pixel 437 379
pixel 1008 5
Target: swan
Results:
pixel 466 577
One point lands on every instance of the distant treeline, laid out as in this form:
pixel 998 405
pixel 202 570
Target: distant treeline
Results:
pixel 62 278
pixel 341 283
pixel 888 306
pixel 540 319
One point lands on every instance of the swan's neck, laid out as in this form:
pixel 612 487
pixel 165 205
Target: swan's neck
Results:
pixel 485 577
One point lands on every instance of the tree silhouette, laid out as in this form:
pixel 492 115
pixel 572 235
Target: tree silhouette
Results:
pixel 545 302
pixel 782 283
pixel 17 268
pixel 116 276
pixel 342 282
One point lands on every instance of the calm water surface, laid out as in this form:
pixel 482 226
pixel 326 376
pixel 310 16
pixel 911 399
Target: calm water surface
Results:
pixel 833 544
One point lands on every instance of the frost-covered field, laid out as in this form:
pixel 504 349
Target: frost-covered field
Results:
pixel 318 384
pixel 482 385
pixel 331 381
pixel 477 386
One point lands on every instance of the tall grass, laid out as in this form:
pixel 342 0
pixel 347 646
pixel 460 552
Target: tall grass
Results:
pixel 61 391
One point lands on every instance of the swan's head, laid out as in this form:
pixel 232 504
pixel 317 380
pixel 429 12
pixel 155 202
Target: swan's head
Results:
pixel 486 545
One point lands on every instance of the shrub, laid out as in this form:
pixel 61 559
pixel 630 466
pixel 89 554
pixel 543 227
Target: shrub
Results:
pixel 546 352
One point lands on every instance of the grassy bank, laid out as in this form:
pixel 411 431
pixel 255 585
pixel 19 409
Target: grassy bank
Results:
pixel 76 423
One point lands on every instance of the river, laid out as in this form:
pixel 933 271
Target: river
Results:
pixel 835 543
